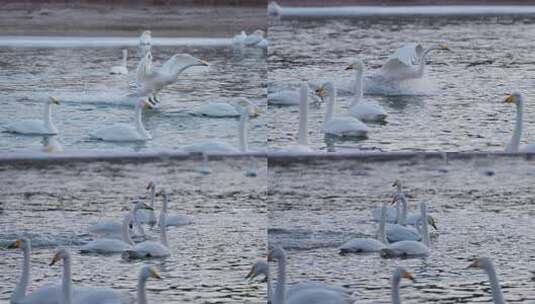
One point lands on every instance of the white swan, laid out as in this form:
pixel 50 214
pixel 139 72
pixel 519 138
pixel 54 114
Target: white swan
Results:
pixel 239 38
pixel 411 248
pixel 113 228
pixel 151 249
pixel 145 43
pixel 302 145
pixel 145 273
pixel 83 295
pixel 274 9
pixel 121 69
pixel 364 111
pixel 124 132
pixel 514 143
pixel 214 146
pixel 485 263
pixel 365 245
pixel 232 108
pixel 106 245
pixel 36 126
pixel 303 293
pixel 146 216
pixel 399 231
pixel 398 274
pixel 339 126
pixel 254 39
pixel 175 219
pixel 407 62
pixel 151 82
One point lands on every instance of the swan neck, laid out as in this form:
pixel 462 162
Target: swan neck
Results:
pixel 514 144
pixel 141 292
pixel 425 227
pixel 331 104
pixel 20 290
pixel 67 280
pixel 359 85
pixel 403 211
pixel 48 117
pixel 269 287
pixel 138 225
pixel 497 295
pixel 125 56
pixel 163 220
pixel 302 135
pixel 139 123
pixel 280 293
pixel 421 64
pixel 382 226
pixel 152 195
pixel 398 212
pixel 396 298
pixel 243 130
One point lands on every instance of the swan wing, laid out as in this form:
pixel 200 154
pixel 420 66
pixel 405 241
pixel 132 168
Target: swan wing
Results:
pixel 285 97
pixel 367 111
pixel 396 233
pixel 105 227
pixel 346 126
pixel 117 132
pixel 218 109
pixel 361 245
pixel 403 60
pixel 28 126
pixel 405 248
pixel 48 294
pixel 92 295
pixel 147 249
pixel 317 295
pixel 105 246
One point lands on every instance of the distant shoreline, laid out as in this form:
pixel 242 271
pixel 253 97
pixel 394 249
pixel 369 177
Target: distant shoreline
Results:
pixel 119 20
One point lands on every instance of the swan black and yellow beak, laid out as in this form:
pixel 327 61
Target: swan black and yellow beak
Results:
pixel 444 46
pixel 55 259
pixel 251 273
pixel 15 244
pixel 54 100
pixel 510 99
pixel 154 274
pixel 145 206
pixel 474 264
pixel 396 183
pixel 203 62
pixel 350 67
pixel 408 275
pixel 320 91
pixel 394 200
pixel 149 185
pixel 432 222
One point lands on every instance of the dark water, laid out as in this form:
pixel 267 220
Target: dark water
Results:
pixel 80 78
pixel 484 207
pixel 461 107
pixel 53 205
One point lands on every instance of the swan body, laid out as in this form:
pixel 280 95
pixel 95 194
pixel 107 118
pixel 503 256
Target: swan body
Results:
pixel 397 232
pixel 173 219
pixel 339 126
pixel 113 228
pixel 151 82
pixel 105 246
pixel 514 144
pixel 485 263
pixel 228 109
pixel 123 132
pixel 366 245
pixel 36 126
pixel 222 147
pixel 284 98
pixel 121 69
pixel 302 145
pixel 364 111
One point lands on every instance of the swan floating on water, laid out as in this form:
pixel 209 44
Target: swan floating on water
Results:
pixel 174 220
pixel 364 111
pixel 36 126
pixel 306 292
pixel 366 245
pixel 339 126
pixel 222 147
pixel 145 43
pixel 232 108
pixel 302 145
pixel 485 263
pixel 151 82
pixel 124 132
pixel 256 39
pixel 514 143
pixel 121 69
pixel 110 245
pixel 411 248
pixel 113 228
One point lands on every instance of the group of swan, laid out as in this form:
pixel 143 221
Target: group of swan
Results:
pixel 144 47
pixel 256 39
pixel 311 292
pixel 66 292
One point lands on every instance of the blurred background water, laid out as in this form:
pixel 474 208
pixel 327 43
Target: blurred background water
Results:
pixel 54 204
pixel 459 105
pixel 484 206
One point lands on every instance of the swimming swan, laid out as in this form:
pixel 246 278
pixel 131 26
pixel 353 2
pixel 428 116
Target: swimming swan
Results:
pixel 107 246
pixel 411 248
pixel 398 274
pixel 175 219
pixel 121 69
pixel 339 126
pixel 302 145
pixel 36 126
pixel 307 293
pixel 366 245
pixel 514 143
pixel 113 228
pixel 364 111
pixel 151 82
pixel 485 263
pixel 124 132
pixel 232 108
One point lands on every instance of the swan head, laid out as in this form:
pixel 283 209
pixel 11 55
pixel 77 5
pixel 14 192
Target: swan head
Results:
pixel 357 65
pixel 402 273
pixel 481 263
pixel 515 97
pixel 148 271
pixel 444 47
pixel 324 90
pixel 259 268
pixel 151 185
pixel 397 183
pixel 53 100
pixel 276 254
pixel 162 193
pixel 432 221
pixel 22 243
pixel 61 254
